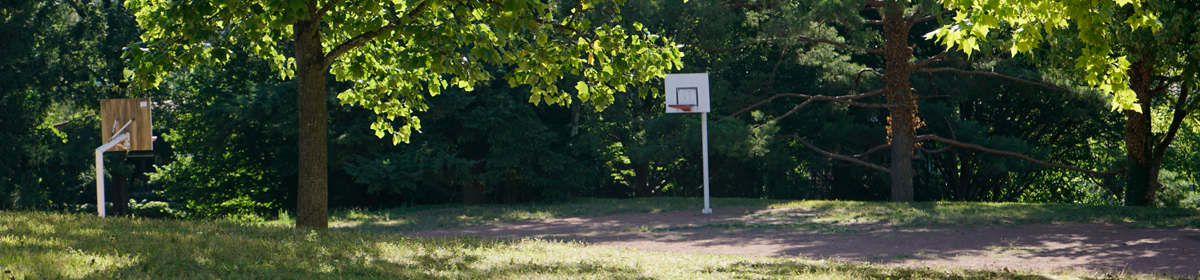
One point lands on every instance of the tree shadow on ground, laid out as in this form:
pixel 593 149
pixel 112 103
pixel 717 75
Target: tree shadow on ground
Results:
pixel 40 245
pixel 1095 247
pixel 792 267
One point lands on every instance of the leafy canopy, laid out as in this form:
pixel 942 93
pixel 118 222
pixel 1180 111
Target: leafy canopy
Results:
pixel 1032 20
pixel 396 51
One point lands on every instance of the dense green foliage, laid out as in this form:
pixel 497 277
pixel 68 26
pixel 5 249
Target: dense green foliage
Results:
pixel 397 52
pixel 229 131
pixel 57 60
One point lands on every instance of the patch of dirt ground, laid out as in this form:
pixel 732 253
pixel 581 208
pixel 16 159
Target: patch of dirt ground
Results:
pixel 1091 247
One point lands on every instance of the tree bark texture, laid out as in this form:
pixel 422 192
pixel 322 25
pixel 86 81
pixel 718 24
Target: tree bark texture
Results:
pixel 1142 185
pixel 311 197
pixel 902 120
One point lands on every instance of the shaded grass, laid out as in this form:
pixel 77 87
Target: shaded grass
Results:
pixel 829 212
pixel 34 245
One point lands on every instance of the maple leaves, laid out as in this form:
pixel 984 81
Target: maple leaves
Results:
pixel 1030 21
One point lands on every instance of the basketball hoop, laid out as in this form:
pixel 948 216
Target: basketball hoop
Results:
pixel 682 107
pixel 135 135
pixel 688 93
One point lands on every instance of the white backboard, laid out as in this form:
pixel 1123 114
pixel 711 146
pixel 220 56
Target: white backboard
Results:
pixel 687 89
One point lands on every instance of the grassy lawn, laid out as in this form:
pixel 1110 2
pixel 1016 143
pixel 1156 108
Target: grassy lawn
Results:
pixel 900 214
pixel 36 245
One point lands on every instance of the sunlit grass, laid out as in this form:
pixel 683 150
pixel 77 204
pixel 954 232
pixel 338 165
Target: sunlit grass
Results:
pixel 827 212
pixel 34 245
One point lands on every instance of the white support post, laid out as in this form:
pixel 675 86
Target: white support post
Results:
pixel 100 169
pixel 704 142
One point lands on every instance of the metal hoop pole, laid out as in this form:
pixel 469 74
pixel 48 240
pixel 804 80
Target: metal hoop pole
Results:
pixel 100 170
pixel 704 141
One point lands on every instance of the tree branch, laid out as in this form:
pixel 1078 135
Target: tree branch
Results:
pixel 793 110
pixel 913 20
pixel 836 44
pixel 859 75
pixel 325 9
pixel 840 99
pixel 931 60
pixel 1104 185
pixel 1181 112
pixel 775 70
pixel 836 156
pixel 1012 154
pixel 78 10
pixel 873 150
pixel 738 47
pixel 916 12
pixel 938 151
pixel 362 39
pixel 990 74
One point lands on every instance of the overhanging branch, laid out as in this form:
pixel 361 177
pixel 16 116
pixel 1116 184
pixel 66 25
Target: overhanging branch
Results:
pixel 1181 112
pixel 1011 154
pixel 836 156
pixel 931 60
pixel 325 8
pixel 363 38
pixel 860 72
pixel 840 99
pixel 938 151
pixel 990 74
pixel 1098 183
pixel 913 20
pixel 738 47
pixel 837 44
pixel 873 150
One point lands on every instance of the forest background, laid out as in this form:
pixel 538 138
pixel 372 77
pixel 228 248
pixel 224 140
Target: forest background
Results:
pixel 227 133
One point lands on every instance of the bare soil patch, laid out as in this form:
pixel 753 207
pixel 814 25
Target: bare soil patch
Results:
pixel 1091 247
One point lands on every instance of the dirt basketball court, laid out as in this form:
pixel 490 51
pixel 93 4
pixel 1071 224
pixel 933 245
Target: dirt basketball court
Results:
pixel 1089 247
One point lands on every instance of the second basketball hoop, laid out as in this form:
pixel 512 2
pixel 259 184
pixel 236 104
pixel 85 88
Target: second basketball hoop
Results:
pixel 687 93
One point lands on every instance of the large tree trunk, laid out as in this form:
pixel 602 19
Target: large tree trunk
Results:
pixel 311 198
pixel 903 118
pixel 1142 185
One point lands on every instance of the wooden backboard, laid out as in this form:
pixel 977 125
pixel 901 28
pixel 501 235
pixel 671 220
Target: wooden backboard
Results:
pixel 115 113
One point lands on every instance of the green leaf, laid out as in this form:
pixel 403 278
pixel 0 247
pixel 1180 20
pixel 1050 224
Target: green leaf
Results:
pixel 583 90
pixel 969 46
pixel 535 98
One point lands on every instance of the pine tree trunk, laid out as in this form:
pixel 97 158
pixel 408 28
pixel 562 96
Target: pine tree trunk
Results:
pixel 1142 185
pixel 311 197
pixel 902 121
